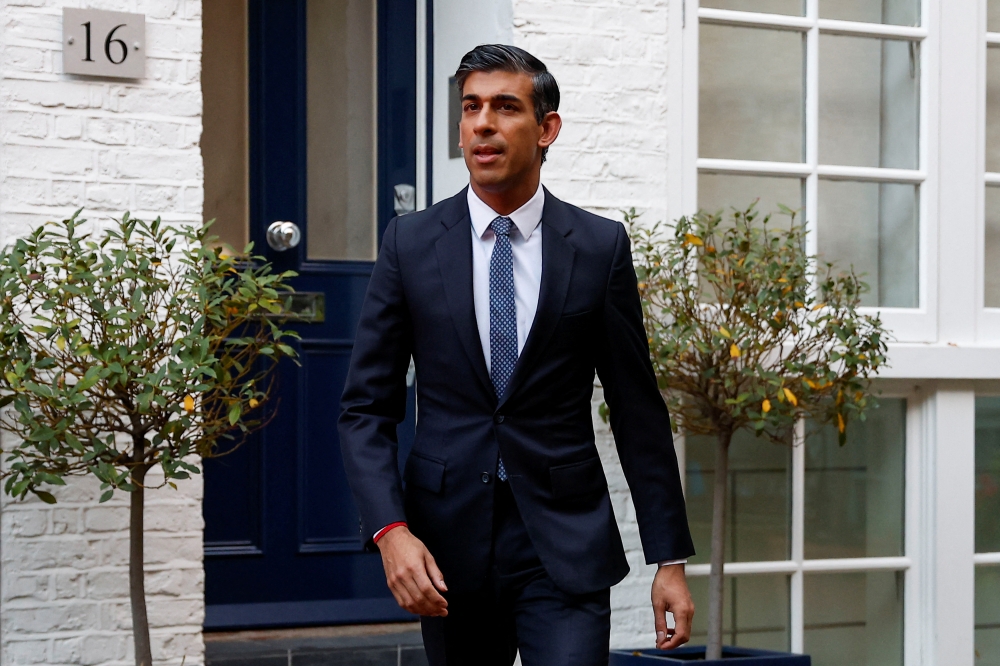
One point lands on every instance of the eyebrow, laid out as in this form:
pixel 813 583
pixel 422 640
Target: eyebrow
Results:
pixel 500 97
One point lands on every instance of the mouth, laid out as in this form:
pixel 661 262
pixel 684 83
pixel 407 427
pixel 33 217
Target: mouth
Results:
pixel 486 154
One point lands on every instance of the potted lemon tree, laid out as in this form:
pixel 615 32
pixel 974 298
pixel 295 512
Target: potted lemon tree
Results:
pixel 748 332
pixel 130 350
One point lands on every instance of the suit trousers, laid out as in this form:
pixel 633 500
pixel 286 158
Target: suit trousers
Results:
pixel 518 609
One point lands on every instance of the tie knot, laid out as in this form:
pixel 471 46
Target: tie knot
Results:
pixel 501 226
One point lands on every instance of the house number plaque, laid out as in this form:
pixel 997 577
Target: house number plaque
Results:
pixel 100 43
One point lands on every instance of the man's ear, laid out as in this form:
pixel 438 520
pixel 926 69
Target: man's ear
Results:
pixel 551 124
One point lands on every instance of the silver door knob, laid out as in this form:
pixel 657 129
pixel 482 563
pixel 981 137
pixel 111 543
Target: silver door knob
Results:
pixel 283 235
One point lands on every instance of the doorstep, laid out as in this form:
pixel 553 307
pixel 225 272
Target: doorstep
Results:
pixel 397 644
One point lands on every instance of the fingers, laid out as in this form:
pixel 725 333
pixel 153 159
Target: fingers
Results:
pixel 436 576
pixel 682 629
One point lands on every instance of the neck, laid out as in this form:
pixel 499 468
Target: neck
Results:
pixel 506 198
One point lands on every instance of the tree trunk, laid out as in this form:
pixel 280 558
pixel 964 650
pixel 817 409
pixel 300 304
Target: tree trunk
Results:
pixel 136 577
pixel 715 581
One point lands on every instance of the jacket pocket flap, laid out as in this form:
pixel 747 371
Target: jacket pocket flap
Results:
pixel 579 478
pixel 425 473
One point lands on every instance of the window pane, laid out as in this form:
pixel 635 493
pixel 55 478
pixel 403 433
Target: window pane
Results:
pixel 894 12
pixel 752 101
pixel 340 144
pixel 790 7
pixel 993 109
pixel 987 616
pixel 868 102
pixel 993 15
pixel 872 227
pixel 992 247
pixel 988 475
pixel 723 192
pixel 755 611
pixel 224 140
pixel 758 517
pixel 855 493
pixel 854 618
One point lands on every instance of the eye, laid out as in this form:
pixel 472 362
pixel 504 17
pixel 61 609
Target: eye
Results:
pixel 469 106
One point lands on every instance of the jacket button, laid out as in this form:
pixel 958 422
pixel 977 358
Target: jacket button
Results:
pixel 485 477
pixel 498 418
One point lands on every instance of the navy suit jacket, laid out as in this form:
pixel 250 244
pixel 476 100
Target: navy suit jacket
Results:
pixel 420 303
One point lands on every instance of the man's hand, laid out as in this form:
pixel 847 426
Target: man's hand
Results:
pixel 670 593
pixel 412 574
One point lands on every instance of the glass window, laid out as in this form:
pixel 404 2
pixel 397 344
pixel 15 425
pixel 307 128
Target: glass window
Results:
pixel 992 247
pixel 868 102
pixel 790 7
pixel 854 493
pixel 758 517
pixel 987 616
pixel 340 121
pixel 723 192
pixel 224 137
pixel 988 474
pixel 991 241
pixel 873 228
pixel 993 109
pixel 752 94
pixel 755 614
pixel 752 83
pixel 854 618
pixel 988 529
pixel 893 12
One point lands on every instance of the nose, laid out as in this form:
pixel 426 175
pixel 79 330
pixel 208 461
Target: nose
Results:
pixel 485 121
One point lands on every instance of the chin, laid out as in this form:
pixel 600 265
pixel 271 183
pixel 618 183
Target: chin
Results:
pixel 489 177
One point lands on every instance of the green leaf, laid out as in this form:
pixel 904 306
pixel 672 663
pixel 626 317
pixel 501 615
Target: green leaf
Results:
pixel 234 413
pixel 106 496
pixel 48 498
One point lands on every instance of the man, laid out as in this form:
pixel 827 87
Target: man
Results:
pixel 503 537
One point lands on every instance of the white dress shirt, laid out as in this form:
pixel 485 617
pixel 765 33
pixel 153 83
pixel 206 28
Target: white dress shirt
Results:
pixel 526 248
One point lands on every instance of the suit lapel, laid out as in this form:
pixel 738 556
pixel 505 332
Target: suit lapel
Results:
pixel 557 269
pixel 454 255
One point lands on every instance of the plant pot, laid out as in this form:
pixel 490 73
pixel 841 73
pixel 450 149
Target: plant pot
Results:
pixel 685 655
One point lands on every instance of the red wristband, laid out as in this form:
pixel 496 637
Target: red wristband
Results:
pixel 382 532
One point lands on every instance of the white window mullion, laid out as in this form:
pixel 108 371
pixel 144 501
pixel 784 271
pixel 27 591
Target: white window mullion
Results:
pixel 797 614
pixel 812 128
pixel 986 559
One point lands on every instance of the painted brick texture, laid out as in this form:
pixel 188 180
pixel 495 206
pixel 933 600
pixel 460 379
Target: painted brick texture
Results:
pixel 67 142
pixel 610 59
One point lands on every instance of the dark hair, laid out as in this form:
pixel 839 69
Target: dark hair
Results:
pixel 500 57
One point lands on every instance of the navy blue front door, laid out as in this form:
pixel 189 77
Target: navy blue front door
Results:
pixel 282 545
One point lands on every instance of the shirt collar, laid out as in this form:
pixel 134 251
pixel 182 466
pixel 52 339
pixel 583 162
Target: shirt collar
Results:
pixel 526 218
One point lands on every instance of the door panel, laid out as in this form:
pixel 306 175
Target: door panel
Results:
pixel 282 546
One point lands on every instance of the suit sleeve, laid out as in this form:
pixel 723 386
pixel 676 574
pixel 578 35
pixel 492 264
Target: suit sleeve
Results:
pixel 639 418
pixel 374 399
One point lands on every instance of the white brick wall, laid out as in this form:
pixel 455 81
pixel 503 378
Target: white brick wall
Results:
pixel 610 59
pixel 68 142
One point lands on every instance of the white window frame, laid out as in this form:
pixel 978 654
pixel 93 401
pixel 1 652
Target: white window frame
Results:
pixel 907 324
pixel 798 566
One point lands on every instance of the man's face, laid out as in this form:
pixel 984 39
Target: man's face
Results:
pixel 500 136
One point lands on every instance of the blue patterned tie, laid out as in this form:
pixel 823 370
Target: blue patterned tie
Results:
pixel 503 315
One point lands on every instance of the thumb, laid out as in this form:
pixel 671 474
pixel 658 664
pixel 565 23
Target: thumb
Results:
pixel 660 619
pixel 434 573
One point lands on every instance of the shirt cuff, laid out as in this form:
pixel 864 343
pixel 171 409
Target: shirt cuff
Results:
pixel 381 532
pixel 667 563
